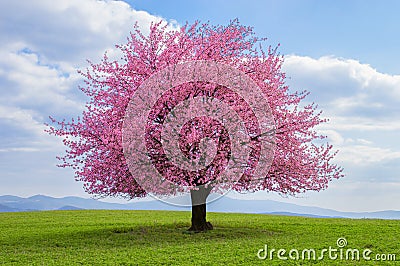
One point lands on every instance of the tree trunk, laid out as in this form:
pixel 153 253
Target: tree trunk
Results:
pixel 199 211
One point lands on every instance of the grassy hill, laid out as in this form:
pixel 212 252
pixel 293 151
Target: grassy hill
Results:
pixel 160 238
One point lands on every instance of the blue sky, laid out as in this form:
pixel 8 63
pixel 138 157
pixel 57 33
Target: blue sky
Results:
pixel 344 52
pixel 365 29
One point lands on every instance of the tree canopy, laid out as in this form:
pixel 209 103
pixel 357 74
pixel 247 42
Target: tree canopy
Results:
pixel 284 153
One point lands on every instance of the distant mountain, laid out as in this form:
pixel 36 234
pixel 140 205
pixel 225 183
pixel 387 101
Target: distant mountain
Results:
pixel 226 204
pixel 41 203
pixel 10 203
pixel 301 214
pixel 69 208
pixel 4 208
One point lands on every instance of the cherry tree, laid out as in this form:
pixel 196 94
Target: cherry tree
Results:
pixel 197 110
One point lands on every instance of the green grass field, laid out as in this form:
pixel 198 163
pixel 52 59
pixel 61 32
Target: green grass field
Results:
pixel 160 238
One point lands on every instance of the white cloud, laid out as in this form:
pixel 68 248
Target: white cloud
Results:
pixel 23 132
pixel 43 45
pixel 333 136
pixel 362 105
pixel 364 141
pixel 70 30
pixel 27 82
pixel 20 149
pixel 358 151
pixel 22 118
pixel 354 96
pixel 365 154
pixel 348 85
pixel 352 122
